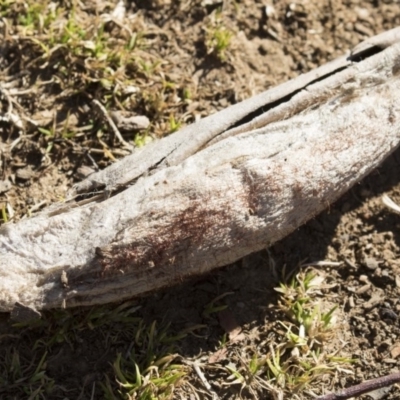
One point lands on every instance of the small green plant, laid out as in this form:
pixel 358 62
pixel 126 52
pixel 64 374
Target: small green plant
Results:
pixel 212 307
pixel 218 40
pixel 149 370
pixel 299 304
pixel 141 139
pixel 276 372
pixel 186 94
pixel 299 356
pixel 174 125
pixel 4 213
pixel 63 326
pixel 27 379
pixel 250 373
pixel 224 341
pixel 37 17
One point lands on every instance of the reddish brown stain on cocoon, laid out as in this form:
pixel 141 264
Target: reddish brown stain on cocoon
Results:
pixel 167 246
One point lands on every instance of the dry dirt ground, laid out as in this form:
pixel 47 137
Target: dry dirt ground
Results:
pixel 183 60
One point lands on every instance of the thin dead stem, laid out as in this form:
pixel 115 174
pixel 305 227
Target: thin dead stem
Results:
pixel 364 387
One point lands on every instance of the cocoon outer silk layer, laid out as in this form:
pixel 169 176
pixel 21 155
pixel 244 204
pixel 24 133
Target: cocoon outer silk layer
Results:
pixel 213 192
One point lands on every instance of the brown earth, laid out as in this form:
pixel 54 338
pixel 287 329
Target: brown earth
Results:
pixel 264 51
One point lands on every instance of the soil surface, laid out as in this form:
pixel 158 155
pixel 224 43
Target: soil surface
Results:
pixel 271 42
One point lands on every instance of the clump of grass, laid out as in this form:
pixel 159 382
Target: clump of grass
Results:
pixel 302 347
pixel 304 352
pixel 149 369
pixel 69 53
pixel 24 378
pixel 299 303
pixel 218 38
pixel 64 326
pixel 218 41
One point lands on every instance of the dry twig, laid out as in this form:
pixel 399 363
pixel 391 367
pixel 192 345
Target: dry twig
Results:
pixel 114 128
pixel 362 388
